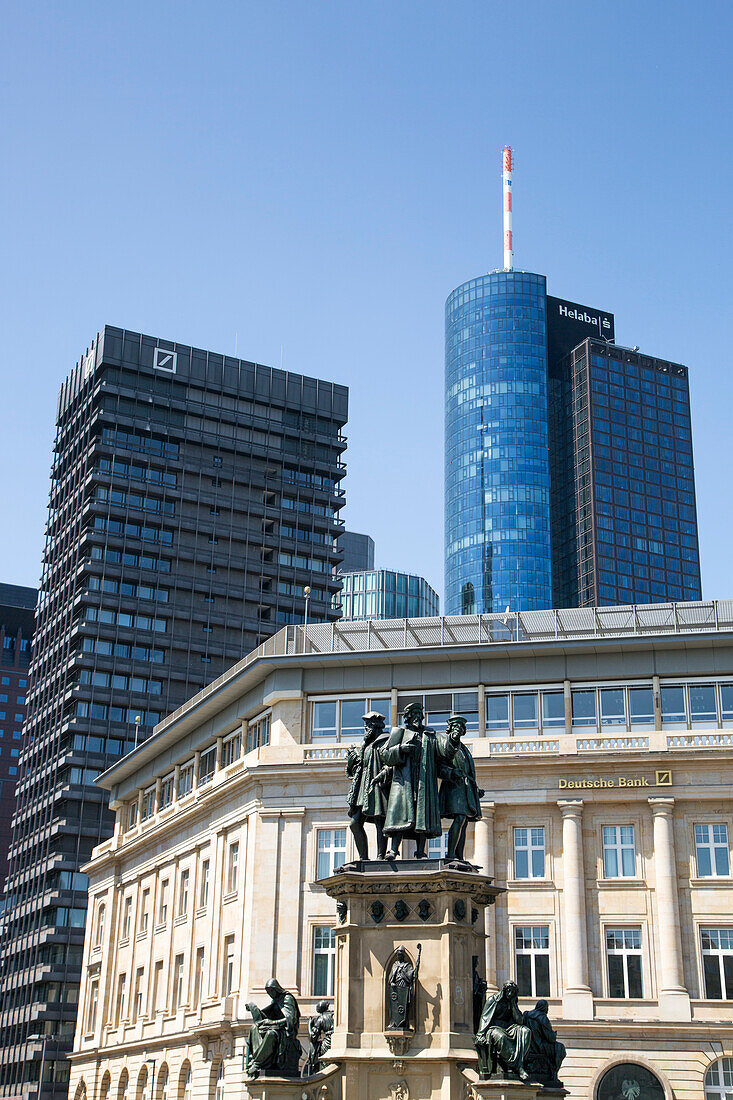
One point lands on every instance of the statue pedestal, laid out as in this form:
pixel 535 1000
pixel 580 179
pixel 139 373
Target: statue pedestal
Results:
pixel 502 1089
pixel 323 1086
pixel 384 906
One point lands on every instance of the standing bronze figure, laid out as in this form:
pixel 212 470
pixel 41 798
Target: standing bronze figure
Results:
pixel 272 1043
pixel 414 752
pixel 502 1038
pixel 401 986
pixel 367 800
pixel 460 796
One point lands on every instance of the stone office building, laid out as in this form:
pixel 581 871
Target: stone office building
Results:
pixel 604 741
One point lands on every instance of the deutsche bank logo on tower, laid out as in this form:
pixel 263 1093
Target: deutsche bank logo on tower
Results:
pixel 165 360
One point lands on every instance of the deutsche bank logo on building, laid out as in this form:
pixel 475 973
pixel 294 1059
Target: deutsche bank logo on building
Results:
pixel 165 360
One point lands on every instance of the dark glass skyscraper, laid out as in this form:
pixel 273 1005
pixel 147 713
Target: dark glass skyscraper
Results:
pixel 569 476
pixel 357 552
pixel 193 496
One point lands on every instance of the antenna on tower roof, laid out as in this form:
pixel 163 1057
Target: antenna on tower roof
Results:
pixel 507 166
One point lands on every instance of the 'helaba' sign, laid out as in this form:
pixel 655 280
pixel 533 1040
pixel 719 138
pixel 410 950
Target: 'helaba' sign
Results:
pixel 569 323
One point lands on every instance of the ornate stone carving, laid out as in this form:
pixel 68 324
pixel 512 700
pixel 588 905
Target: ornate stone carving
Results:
pixel 401 910
pixel 401 988
pixel 399 1090
pixel 377 911
pixel 398 1043
pixel 459 909
pixel 424 909
pixel 474 914
pixel 342 910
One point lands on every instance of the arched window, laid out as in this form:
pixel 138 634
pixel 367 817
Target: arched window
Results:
pixel 629 1081
pixel 719 1080
pixel 162 1093
pixel 123 1085
pixel 105 1087
pixel 81 1091
pixel 184 1082
pixel 142 1084
pixel 99 932
pixel 468 599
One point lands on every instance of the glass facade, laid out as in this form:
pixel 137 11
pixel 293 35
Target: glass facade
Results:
pixel 384 594
pixel 626 514
pixel 497 476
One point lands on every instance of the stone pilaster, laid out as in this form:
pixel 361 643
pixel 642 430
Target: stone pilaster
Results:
pixel 577 1001
pixel 674 1000
pixel 484 857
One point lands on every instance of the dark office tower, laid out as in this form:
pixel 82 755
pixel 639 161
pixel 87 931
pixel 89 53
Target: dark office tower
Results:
pixel 624 491
pixel 357 552
pixel 193 497
pixel 17 612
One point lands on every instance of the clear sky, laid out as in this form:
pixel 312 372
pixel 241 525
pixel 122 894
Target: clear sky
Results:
pixel 311 179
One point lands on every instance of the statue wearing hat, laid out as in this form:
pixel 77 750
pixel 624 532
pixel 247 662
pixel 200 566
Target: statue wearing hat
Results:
pixel 414 753
pixel 460 796
pixel 367 799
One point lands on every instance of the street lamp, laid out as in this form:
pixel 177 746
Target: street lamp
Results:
pixel 36 1039
pixel 307 594
pixel 138 723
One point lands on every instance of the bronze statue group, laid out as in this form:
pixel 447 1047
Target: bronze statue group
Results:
pixel 405 783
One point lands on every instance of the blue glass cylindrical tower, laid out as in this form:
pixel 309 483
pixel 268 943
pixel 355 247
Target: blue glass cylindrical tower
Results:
pixel 497 478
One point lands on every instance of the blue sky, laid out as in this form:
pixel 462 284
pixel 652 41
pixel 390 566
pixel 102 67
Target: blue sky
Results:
pixel 312 179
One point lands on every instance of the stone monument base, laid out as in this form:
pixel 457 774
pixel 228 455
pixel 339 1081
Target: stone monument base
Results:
pixel 325 1085
pixel 508 1088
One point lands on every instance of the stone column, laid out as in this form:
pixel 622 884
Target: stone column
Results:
pixel 674 1000
pixel 577 1001
pixel 482 710
pixel 483 855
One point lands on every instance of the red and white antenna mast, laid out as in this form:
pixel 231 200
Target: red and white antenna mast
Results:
pixel 507 166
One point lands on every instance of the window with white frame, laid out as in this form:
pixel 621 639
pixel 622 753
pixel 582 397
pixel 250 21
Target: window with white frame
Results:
pixel 529 852
pixel 145 910
pixel 198 979
pixel 712 851
pixel 703 706
pixel 233 867
pixel 438 708
pixel 178 982
pixel 207 766
pixel 166 792
pixel 163 902
pixel 183 892
pixel 532 960
pixel 331 851
pixel 231 749
pixel 341 719
pixel 613 707
pixel 137 998
pixel 717 963
pixel 324 961
pixel 120 1005
pixel 204 884
pixel 185 780
pixel 438 846
pixel 219 1090
pixel 93 1003
pixel 619 851
pixel 258 732
pixel 126 917
pixel 228 967
pixel 148 808
pixel 99 933
pixel 719 1080
pixel 623 962
pixel 186 1086
pixel 132 815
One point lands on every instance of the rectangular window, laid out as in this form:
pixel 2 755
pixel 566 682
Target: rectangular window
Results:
pixel 623 961
pixel 726 703
pixel 641 707
pixel 204 885
pixel 703 709
pixel 144 911
pixel 532 960
pixel 185 781
pixel 529 852
pixel 232 750
pixel 198 979
pixel 324 726
pixel 178 982
pixel 331 851
pixel 120 1005
pixel 163 906
pixel 352 726
pixel 673 706
pixel 717 962
pixel 158 988
pixel 166 792
pixel 711 847
pixel 258 733
pixel 126 917
pixel 524 709
pixel 584 708
pixel 228 972
pixel 137 1001
pixel 233 868
pixel 324 959
pixel 183 893
pixel 613 708
pixel 619 851
pixel 553 709
pixel 497 712
pixel 132 815
pixel 93 1002
pixel 207 764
